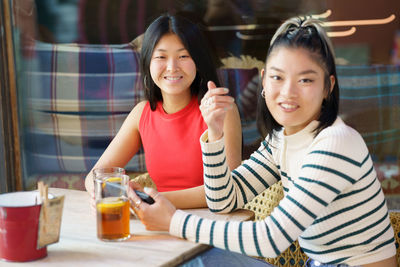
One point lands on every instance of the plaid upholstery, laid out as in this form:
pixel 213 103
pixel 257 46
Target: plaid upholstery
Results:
pixel 79 95
pixel 370 102
pixel 77 98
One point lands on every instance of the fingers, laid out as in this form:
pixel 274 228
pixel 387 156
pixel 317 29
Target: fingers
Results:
pixel 156 216
pixel 135 185
pixel 216 97
pixel 135 201
pixel 211 85
pixel 152 192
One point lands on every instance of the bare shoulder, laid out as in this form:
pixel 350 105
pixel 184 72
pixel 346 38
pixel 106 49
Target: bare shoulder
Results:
pixel 134 116
pixel 137 110
pixel 139 107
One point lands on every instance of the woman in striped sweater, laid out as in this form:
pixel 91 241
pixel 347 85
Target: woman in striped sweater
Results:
pixel 333 202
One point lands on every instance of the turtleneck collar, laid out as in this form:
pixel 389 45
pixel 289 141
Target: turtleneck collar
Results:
pixel 300 139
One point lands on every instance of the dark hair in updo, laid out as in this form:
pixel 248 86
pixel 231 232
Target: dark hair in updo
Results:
pixel 306 33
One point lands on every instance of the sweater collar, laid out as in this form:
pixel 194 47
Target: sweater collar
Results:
pixel 301 138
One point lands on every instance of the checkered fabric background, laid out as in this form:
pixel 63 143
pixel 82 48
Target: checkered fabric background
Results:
pixel 77 97
pixel 370 102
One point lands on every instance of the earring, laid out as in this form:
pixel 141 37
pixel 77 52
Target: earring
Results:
pixel 146 86
pixel 263 93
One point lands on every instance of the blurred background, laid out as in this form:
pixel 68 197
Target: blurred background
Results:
pixel 69 77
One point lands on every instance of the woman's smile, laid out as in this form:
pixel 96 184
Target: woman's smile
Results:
pixel 173 78
pixel 294 92
pixel 288 107
pixel 171 67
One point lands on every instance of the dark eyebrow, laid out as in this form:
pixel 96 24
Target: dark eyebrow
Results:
pixel 301 73
pixel 276 69
pixel 308 72
pixel 179 50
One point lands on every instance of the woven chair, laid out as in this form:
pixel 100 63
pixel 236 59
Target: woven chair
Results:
pixel 395 221
pixel 262 206
pixel 143 179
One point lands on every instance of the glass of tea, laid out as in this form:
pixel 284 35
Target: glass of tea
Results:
pixel 112 205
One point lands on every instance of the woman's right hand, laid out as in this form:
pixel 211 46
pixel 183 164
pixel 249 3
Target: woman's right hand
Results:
pixel 214 106
pixel 89 185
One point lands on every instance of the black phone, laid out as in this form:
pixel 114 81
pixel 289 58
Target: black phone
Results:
pixel 145 197
pixel 112 189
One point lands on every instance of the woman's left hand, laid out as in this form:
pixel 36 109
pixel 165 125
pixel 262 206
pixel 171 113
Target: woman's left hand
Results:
pixel 157 216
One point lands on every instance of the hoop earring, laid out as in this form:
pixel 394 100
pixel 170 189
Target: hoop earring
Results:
pixel 145 82
pixel 263 93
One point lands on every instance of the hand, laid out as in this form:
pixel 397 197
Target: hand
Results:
pixel 214 106
pixel 136 186
pixel 89 185
pixel 156 217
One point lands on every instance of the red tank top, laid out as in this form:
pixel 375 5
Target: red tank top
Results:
pixel 172 147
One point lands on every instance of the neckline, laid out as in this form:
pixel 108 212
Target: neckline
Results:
pixel 302 137
pixel 179 113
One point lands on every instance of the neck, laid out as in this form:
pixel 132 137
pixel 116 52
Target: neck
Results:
pixel 175 103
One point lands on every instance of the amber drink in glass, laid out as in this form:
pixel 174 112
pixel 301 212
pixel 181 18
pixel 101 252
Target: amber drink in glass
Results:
pixel 112 207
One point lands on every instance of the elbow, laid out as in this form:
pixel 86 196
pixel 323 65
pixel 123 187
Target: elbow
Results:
pixel 220 207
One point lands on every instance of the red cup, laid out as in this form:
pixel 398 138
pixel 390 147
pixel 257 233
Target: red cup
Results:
pixel 19 226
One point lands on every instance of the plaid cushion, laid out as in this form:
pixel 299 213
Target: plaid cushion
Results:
pixel 79 95
pixel 84 78
pixel 370 103
pixel 77 98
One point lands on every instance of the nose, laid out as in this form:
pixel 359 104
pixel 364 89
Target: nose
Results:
pixel 172 64
pixel 289 89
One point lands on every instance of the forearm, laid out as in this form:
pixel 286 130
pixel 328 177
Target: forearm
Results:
pixel 187 198
pixel 219 188
pixel 225 190
pixel 246 237
pixel 233 138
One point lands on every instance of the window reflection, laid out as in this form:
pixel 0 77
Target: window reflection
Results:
pixel 78 77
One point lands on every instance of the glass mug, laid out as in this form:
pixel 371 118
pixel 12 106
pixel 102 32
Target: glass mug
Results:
pixel 112 204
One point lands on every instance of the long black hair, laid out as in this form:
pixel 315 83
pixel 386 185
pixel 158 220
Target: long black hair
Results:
pixel 194 41
pixel 306 33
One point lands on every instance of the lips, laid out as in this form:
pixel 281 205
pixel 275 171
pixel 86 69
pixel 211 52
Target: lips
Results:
pixel 288 106
pixel 173 78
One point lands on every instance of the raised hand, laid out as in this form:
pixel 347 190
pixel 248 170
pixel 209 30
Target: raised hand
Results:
pixel 214 106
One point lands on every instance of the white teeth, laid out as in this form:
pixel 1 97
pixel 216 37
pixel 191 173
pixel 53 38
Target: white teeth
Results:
pixel 288 106
pixel 172 78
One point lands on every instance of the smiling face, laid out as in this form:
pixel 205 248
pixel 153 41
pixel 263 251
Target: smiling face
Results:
pixel 294 88
pixel 171 67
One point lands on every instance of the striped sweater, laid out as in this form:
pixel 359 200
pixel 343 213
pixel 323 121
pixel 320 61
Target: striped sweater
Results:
pixel 333 202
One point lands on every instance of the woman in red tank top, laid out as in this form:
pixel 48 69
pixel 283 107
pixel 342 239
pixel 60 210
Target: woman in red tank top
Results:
pixel 177 69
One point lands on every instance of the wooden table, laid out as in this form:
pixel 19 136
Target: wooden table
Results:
pixel 79 246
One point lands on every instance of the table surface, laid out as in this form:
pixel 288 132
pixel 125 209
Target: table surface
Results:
pixel 78 244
